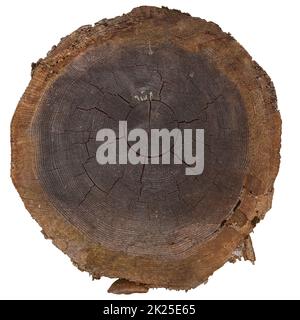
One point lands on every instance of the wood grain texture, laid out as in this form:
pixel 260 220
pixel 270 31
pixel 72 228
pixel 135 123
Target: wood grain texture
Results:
pixel 149 224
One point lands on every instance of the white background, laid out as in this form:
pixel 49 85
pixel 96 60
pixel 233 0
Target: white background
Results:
pixel 32 268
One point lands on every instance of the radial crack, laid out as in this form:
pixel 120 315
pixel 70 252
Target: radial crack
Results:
pixel 85 196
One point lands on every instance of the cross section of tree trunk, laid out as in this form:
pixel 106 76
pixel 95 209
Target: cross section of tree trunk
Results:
pixel 151 225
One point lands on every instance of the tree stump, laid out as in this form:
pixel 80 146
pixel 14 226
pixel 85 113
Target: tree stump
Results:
pixel 150 225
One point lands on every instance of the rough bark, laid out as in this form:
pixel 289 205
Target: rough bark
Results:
pixel 148 224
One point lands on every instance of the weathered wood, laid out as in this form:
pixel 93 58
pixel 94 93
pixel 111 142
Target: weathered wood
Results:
pixel 122 286
pixel 149 224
